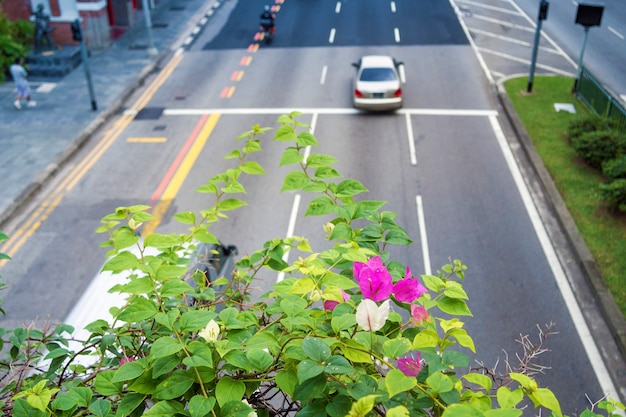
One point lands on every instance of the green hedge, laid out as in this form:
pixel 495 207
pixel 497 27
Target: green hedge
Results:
pixel 15 40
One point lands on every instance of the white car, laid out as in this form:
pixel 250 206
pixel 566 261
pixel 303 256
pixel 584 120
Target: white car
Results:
pixel 377 83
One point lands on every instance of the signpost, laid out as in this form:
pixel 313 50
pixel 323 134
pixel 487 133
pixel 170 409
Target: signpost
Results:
pixel 543 15
pixel 588 15
pixel 77 35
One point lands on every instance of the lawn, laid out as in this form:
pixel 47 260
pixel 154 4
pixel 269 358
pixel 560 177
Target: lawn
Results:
pixel 603 231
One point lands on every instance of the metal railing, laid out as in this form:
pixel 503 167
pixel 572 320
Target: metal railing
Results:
pixel 600 99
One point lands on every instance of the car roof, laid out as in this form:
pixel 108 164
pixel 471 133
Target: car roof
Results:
pixel 377 61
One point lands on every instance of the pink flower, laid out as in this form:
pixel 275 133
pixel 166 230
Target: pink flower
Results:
pixel 125 360
pixel 408 289
pixel 331 304
pixel 411 366
pixel 418 314
pixel 374 279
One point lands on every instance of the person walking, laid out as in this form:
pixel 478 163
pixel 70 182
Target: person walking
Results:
pixel 20 76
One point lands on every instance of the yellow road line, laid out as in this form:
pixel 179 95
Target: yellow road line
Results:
pixel 147 140
pixel 181 174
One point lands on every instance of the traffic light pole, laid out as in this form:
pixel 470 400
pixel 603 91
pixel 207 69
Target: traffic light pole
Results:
pixel 77 32
pixel 543 15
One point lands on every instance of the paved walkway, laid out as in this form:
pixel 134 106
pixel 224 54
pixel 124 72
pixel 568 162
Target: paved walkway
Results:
pixel 35 141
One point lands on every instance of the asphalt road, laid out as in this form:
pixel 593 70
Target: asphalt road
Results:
pixel 443 159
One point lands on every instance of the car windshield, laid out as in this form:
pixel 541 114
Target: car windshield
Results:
pixel 378 74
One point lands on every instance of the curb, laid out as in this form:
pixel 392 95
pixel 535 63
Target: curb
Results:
pixel 608 308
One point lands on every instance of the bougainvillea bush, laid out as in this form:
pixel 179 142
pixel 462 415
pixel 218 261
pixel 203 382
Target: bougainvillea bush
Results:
pixel 348 332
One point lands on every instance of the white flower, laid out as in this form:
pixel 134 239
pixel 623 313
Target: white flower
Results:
pixel 370 316
pixel 210 332
pixel 252 413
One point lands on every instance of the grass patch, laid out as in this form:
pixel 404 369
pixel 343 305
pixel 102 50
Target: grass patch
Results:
pixel 603 231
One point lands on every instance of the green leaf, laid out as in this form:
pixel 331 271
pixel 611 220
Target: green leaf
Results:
pixel 315 349
pixel 396 382
pixel 397 237
pixel 338 365
pixel 302 286
pixel 341 231
pixel 200 406
pixel 433 283
pixel 462 410
pixel 175 287
pixel 194 320
pixel 165 346
pixel 129 403
pixel 287 381
pixel 100 407
pixel 306 139
pixel 128 371
pixel 394 348
pixel 320 206
pixel 479 379
pixel 259 359
pixel 252 168
pixel 425 339
pixel 463 338
pixel 285 134
pixel 162 366
pixel 105 385
pixel 291 156
pixel 452 358
pixel 201 355
pixel 510 412
pixel 174 386
pixel 547 399
pixel 231 204
pixel 440 383
pixel 121 262
pixel 160 241
pixel 308 369
pixel 453 306
pixel 355 352
pixel 343 322
pixel 294 181
pixel 165 409
pixel 399 411
pixel 204 236
pixel 188 217
pixel 349 188
pixel 325 173
pixel 227 389
pixel 363 406
pixel 236 409
pixel 316 160
pixel 455 290
pixel 139 309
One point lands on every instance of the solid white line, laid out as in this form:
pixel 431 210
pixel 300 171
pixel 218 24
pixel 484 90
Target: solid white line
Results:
pixel 515 41
pixel 616 33
pixel 323 77
pixel 504 23
pixel 559 275
pixel 396 34
pixel 393 7
pixel 525 61
pixel 331 38
pixel 322 110
pixel 481 61
pixel 409 130
pixel 493 8
pixel 338 7
pixel 290 230
pixel 423 235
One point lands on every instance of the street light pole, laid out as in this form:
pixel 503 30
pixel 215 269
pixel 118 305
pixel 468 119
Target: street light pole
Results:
pixel 77 33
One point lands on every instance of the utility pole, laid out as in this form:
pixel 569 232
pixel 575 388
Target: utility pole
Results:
pixel 543 15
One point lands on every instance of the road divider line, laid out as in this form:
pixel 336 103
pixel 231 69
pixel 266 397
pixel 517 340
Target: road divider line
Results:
pixel 331 37
pixel 616 33
pixel 423 235
pixel 561 279
pixel 338 7
pixel 179 170
pixel 290 230
pixel 393 6
pixel 396 34
pixel 159 139
pixel 326 110
pixel 525 61
pixel 409 130
pixel 323 77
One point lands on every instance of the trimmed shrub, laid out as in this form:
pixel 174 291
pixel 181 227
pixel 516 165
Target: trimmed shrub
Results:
pixel 615 168
pixel 615 194
pixel 590 123
pixel 15 39
pixel 596 147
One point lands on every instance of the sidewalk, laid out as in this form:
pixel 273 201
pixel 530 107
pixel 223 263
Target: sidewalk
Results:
pixel 34 142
